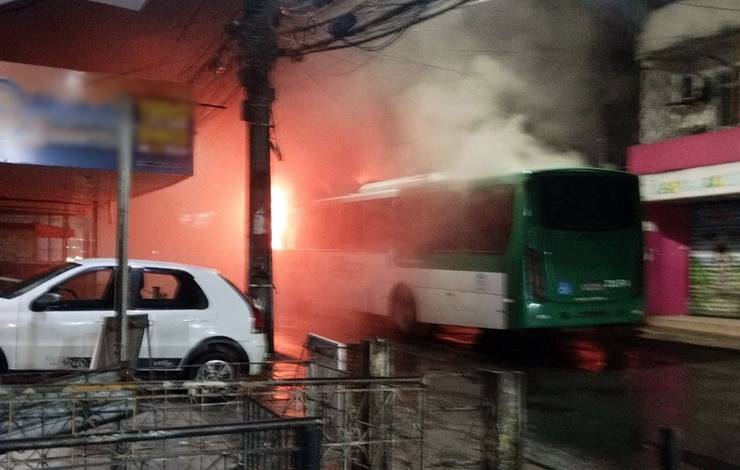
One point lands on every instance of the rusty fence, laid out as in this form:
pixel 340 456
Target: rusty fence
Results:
pixel 346 407
pixel 469 420
pixel 150 425
pixel 254 424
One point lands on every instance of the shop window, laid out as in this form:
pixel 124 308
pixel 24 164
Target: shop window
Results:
pixel 31 240
pixel 729 99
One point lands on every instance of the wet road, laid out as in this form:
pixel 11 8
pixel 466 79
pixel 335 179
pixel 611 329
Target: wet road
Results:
pixel 597 397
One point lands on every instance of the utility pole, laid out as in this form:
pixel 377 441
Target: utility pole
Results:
pixel 255 33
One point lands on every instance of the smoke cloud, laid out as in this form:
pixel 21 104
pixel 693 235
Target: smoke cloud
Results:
pixel 492 88
pixel 464 127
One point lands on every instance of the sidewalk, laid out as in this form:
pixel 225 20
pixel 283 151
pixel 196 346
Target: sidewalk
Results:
pixel 703 331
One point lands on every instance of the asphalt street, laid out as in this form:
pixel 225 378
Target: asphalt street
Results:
pixel 595 398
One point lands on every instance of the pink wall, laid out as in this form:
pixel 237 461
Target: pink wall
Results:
pixel 667 266
pixel 710 148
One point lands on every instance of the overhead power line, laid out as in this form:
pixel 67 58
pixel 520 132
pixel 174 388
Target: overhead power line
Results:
pixel 708 7
pixel 267 30
pixel 345 24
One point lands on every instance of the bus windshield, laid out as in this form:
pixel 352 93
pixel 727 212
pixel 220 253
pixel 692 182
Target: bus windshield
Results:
pixel 586 202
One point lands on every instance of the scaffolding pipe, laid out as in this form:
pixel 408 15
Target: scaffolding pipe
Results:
pixel 125 159
pixel 120 437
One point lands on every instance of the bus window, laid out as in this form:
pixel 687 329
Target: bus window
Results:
pixel 406 236
pixel 442 222
pixel 302 226
pixel 311 237
pixel 587 202
pixel 350 227
pixel 489 215
pixel 322 227
pixel 377 225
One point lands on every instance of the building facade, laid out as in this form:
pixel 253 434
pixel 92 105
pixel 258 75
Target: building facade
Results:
pixel 59 143
pixel 688 160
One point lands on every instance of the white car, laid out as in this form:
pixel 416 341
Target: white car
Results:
pixel 198 321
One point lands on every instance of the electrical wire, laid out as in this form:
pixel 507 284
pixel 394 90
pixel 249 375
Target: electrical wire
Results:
pixel 357 66
pixel 425 64
pixel 708 7
pixel 332 44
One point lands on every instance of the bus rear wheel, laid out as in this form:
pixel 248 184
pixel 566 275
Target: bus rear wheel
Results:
pixel 403 313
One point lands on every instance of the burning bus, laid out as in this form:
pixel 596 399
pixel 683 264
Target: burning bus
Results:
pixel 542 249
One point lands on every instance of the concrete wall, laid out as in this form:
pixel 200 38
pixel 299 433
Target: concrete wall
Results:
pixel 675 22
pixel 664 115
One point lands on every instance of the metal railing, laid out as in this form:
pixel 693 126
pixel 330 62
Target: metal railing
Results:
pixel 153 424
pixel 362 416
pixel 274 444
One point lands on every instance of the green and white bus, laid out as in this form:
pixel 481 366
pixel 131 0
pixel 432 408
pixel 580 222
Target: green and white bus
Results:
pixel 543 249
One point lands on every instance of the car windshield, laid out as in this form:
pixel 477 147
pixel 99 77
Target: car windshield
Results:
pixel 10 288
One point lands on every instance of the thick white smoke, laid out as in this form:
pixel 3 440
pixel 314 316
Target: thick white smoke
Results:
pixel 493 88
pixel 462 127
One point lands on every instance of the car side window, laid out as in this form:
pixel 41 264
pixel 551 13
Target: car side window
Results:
pixel 169 289
pixel 90 290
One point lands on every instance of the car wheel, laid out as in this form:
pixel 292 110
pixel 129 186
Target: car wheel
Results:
pixel 220 365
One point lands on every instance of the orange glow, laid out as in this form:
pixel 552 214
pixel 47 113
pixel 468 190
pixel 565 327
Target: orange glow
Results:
pixel 279 216
pixel 589 355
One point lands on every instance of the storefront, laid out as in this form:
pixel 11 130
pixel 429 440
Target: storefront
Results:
pixel 59 137
pixel 715 258
pixel 692 223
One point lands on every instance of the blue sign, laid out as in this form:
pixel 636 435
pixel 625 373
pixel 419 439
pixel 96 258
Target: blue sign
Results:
pixel 565 288
pixel 39 128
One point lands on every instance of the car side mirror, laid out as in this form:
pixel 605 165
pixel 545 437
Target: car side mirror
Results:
pixel 47 300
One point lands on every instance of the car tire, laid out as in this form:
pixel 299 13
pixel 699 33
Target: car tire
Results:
pixel 219 363
pixel 3 363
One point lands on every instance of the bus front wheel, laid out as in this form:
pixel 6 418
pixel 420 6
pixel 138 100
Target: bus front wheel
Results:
pixel 403 313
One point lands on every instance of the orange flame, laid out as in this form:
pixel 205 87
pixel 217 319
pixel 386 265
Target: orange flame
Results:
pixel 279 216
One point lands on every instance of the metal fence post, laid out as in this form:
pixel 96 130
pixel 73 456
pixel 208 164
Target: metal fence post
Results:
pixel 311 447
pixel 378 363
pixel 670 449
pixel 502 397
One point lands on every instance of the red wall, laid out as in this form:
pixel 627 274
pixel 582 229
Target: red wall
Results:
pixel 710 148
pixel 667 264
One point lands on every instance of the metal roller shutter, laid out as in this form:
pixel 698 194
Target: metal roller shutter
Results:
pixel 715 259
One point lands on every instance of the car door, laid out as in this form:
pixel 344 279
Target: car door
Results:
pixel 178 315
pixel 62 334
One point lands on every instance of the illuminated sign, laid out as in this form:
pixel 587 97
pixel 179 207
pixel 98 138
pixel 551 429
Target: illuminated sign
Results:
pixel 63 118
pixel 714 180
pixel 164 131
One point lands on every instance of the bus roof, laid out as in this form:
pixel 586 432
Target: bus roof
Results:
pixel 391 188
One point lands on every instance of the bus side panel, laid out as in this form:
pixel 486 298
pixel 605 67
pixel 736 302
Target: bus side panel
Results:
pixel 513 260
pixel 377 282
pixel 462 298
